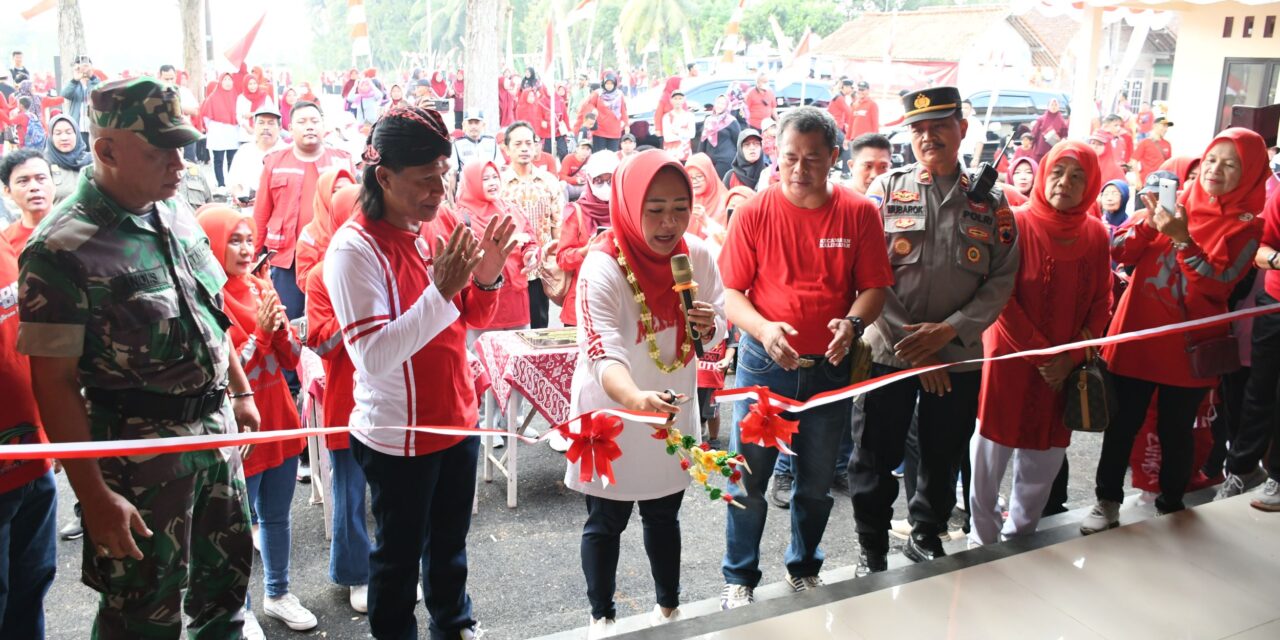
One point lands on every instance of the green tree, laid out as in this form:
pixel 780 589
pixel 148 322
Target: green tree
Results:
pixel 440 26
pixel 646 21
pixel 331 41
pixel 794 16
pixel 711 20
pixel 391 31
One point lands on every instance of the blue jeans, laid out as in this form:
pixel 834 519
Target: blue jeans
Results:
pixel 349 551
pixel 422 507
pixel 28 556
pixel 814 467
pixel 285 282
pixel 271 493
pixel 783 465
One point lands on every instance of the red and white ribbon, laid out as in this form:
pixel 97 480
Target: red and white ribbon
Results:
pixel 867 386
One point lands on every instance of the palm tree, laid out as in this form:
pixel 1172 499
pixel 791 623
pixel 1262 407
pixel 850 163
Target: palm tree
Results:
pixel 441 26
pixel 644 22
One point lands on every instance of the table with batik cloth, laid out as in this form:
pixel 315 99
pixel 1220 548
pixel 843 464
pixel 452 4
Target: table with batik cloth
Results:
pixel 542 376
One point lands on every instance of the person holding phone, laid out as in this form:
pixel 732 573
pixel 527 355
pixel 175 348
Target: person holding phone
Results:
pixel 634 343
pixel 76 94
pixel 266 345
pixel 1186 263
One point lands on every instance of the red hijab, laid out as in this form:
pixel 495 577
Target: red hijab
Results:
pixel 1207 214
pixel 220 104
pixel 472 196
pixel 255 98
pixel 242 294
pixel 330 209
pixel 1181 166
pixel 1068 224
pixel 626 209
pixel 1108 164
pixel 713 194
pixel 439 85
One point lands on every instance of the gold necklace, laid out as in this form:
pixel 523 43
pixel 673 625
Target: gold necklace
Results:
pixel 646 317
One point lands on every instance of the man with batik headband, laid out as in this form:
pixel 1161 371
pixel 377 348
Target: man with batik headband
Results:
pixel 120 295
pixel 955 256
pixel 406 279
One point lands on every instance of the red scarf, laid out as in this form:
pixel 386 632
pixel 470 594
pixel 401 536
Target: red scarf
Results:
pixel 242 294
pixel 334 203
pixel 713 194
pixel 626 209
pixel 1181 166
pixel 1107 162
pixel 220 105
pixel 472 197
pixel 1068 224
pixel 1212 219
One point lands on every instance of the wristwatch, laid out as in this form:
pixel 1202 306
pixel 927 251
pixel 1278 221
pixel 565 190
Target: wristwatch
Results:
pixel 497 284
pixel 1181 246
pixel 859 326
pixel 1271 262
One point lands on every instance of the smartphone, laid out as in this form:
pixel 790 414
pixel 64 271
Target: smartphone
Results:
pixel 600 229
pixel 257 266
pixel 1169 196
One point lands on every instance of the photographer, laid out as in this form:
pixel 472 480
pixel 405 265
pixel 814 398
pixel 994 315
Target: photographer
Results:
pixel 76 94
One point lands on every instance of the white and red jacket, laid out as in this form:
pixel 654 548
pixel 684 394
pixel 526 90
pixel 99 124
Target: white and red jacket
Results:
pixel 408 343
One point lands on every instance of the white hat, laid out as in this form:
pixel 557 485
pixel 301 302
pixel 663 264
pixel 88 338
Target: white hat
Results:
pixel 600 163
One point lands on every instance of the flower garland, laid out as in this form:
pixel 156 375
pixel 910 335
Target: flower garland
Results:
pixel 646 317
pixel 703 463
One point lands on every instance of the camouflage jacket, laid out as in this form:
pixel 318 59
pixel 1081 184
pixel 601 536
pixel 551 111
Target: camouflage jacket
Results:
pixel 139 306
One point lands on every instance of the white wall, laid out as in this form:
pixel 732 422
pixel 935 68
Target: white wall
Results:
pixel 1198 66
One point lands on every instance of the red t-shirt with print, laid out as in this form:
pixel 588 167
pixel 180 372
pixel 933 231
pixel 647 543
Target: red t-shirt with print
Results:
pixel 805 266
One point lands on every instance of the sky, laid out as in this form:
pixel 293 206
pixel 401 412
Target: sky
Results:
pixel 143 34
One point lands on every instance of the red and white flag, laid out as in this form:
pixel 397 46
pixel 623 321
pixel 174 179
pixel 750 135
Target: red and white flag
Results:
pixel 39 8
pixel 239 51
pixel 584 10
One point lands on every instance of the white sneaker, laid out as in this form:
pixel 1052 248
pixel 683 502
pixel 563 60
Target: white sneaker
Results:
pixel 288 610
pixel 257 544
pixel 736 595
pixel 359 598
pixel 657 619
pixel 803 584
pixel 497 442
pixel 472 633
pixel 601 628
pixel 252 630
pixel 558 442
pixel 1104 515
pixel 419 593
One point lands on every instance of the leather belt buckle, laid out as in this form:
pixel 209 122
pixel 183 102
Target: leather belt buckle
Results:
pixel 806 363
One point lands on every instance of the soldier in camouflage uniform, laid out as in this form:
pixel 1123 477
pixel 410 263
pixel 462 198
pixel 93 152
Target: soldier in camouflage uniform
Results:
pixel 120 293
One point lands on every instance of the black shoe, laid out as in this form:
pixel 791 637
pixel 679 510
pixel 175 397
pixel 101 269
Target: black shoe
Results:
pixel 923 547
pixel 870 561
pixel 780 493
pixel 841 484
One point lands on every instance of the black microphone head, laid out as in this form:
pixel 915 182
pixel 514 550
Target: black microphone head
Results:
pixel 681 269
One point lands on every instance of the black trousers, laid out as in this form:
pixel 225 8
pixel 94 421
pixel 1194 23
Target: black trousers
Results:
pixel 1260 422
pixel 422 508
pixel 601 542
pixel 539 306
pixel 944 426
pixel 599 143
pixel 1227 419
pixel 1175 416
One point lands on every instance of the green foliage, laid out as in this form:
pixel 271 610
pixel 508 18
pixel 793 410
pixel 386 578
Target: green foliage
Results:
pixel 708 25
pixel 391 31
pixel 448 21
pixel 794 16
pixel 331 44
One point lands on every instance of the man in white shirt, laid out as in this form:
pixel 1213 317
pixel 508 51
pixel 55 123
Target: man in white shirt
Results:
pixel 971 145
pixel 246 168
pixel 476 144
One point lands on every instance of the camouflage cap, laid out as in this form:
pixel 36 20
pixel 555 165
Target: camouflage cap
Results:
pixel 145 106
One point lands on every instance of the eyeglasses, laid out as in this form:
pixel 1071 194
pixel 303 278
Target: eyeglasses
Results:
pixel 602 181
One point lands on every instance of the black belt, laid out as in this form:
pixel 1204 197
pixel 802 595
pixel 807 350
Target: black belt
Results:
pixel 135 403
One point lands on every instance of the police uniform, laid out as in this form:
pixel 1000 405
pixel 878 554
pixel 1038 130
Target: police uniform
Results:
pixel 137 300
pixel 954 260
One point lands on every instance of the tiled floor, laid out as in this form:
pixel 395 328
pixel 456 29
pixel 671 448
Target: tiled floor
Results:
pixel 1211 572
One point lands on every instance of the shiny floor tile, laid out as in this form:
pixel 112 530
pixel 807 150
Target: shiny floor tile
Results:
pixel 815 623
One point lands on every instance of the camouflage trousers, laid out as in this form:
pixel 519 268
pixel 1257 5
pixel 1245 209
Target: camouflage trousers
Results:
pixel 200 544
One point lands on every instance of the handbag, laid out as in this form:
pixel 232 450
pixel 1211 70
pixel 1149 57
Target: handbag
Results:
pixel 1212 357
pixel 1091 402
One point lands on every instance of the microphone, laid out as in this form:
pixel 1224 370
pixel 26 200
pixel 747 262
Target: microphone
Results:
pixel 685 286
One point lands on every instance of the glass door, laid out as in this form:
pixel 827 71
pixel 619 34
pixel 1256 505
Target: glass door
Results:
pixel 1251 82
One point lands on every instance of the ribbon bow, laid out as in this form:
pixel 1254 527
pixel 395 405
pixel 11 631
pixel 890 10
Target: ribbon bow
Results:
pixel 593 446
pixel 763 424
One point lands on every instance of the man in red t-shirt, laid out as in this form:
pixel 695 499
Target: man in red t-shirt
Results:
pixel 286 195
pixel 804 270
pixel 866 113
pixel 1154 149
pixel 27 490
pixel 27 181
pixel 1123 138
pixel 761 102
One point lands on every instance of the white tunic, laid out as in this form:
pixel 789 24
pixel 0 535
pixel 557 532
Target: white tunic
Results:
pixel 610 334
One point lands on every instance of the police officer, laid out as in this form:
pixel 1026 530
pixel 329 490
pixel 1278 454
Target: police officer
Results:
pixel 120 294
pixel 954 255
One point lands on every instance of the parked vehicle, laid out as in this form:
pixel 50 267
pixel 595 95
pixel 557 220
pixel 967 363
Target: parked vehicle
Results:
pixel 701 97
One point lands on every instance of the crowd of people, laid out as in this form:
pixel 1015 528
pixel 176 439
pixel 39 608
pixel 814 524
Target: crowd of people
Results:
pixel 138 304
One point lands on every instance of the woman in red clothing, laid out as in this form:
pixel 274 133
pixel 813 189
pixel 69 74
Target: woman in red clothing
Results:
pixel 478 205
pixel 1108 163
pixel 1063 290
pixel 610 108
pixel 581 222
pixel 709 195
pixel 1185 267
pixel 537 112
pixel 267 347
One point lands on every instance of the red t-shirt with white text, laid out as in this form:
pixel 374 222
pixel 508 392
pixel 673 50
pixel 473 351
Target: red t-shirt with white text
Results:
pixel 805 266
